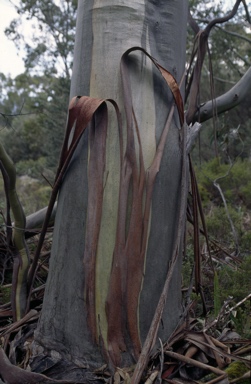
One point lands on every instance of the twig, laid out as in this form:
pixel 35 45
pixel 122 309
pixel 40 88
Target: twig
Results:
pixel 238 304
pixel 235 34
pixel 189 360
pixel 217 186
pixel 161 357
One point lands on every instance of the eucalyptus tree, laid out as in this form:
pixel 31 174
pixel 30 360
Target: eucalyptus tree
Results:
pixel 120 206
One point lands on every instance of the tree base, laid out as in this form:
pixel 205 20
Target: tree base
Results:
pixel 57 367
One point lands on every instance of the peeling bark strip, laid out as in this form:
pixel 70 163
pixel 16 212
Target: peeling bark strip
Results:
pixel 81 112
pixel 129 253
pixel 97 139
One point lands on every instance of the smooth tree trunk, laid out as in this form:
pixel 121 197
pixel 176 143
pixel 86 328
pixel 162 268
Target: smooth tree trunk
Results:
pixel 125 302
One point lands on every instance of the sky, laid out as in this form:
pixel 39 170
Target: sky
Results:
pixel 10 58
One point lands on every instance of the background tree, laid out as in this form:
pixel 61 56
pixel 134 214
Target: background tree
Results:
pixel 41 94
pixel 49 48
pixel 230 46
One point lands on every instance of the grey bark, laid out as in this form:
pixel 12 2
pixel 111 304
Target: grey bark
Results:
pixel 227 101
pixel 35 221
pixel 104 31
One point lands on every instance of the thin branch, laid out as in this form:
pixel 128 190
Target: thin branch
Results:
pixel 202 49
pixel 218 20
pixel 221 20
pixel 246 62
pixel 218 187
pixel 239 303
pixel 5 115
pixel 235 34
pixel 34 222
pixel 195 363
pixel 227 101
pixel 193 24
pixel 223 80
pixel 235 236
pixel 192 133
pixel 247 11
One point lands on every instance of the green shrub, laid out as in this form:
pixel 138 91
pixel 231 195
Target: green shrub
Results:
pixel 31 168
pixel 33 194
pixel 236 282
pixel 235 182
pixel 236 188
pixel 237 369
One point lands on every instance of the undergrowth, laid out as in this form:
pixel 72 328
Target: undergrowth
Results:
pixel 230 281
